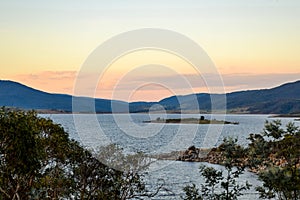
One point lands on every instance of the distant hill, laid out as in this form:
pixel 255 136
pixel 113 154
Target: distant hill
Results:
pixel 284 99
pixel 13 94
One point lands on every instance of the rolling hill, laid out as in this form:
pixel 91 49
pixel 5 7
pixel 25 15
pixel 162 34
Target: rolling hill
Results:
pixel 13 94
pixel 284 99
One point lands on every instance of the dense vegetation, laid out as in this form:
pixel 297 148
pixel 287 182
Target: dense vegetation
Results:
pixel 276 152
pixel 39 161
pixel 274 155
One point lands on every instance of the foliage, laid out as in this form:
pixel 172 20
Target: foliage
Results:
pixel 258 150
pixel 192 193
pixel 273 129
pixel 233 155
pixel 279 157
pixel 39 161
pixel 130 184
pixel 282 183
pixel 228 188
pixel 212 178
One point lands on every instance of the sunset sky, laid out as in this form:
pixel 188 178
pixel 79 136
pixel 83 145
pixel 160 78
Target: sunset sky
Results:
pixel 253 44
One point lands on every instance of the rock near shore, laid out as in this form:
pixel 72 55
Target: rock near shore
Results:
pixel 193 154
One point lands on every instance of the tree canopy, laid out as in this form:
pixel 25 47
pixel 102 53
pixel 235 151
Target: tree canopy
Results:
pixel 39 161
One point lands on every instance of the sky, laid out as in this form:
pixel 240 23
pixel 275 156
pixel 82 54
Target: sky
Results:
pixel 253 44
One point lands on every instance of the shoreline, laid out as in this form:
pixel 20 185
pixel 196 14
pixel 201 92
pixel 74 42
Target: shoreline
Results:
pixel 285 116
pixel 212 156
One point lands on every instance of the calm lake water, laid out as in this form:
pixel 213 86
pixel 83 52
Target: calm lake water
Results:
pixel 129 132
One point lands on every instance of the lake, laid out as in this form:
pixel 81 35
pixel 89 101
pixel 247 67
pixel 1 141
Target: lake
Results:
pixel 129 132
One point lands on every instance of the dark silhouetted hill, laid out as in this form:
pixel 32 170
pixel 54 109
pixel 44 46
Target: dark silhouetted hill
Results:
pixel 13 94
pixel 284 99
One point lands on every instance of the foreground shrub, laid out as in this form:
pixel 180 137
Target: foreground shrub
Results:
pixel 216 185
pixel 277 152
pixel 39 161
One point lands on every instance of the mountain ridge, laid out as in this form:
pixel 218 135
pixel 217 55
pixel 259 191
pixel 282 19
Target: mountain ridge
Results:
pixel 283 99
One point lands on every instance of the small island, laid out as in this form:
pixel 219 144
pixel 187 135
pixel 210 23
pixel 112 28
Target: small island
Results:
pixel 202 120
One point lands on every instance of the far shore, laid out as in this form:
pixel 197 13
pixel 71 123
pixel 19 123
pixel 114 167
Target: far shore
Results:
pixel 285 116
pixel 54 111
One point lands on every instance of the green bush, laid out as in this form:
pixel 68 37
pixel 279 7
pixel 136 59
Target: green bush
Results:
pixel 39 161
pixel 227 185
pixel 277 152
